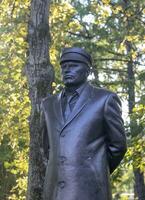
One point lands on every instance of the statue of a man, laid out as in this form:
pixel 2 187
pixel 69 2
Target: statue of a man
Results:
pixel 84 137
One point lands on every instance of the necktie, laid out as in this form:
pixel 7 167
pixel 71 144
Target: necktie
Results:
pixel 71 100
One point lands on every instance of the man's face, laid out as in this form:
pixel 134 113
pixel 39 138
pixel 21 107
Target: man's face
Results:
pixel 74 73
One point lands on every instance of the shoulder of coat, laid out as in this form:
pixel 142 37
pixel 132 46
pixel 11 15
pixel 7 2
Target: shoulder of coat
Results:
pixel 48 98
pixel 103 92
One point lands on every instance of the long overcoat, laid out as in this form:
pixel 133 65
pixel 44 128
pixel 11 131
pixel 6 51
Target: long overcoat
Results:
pixel 86 148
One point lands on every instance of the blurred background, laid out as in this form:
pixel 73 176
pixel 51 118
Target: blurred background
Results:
pixel 113 32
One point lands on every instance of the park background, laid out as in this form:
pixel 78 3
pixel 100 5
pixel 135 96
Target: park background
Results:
pixel 112 31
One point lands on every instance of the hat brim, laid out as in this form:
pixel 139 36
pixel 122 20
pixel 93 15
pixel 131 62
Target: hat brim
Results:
pixel 74 57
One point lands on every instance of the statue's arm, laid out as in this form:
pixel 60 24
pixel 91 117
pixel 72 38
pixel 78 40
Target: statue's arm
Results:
pixel 115 133
pixel 43 128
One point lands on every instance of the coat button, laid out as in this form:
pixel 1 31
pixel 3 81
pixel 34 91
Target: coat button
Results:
pixel 62 159
pixel 89 158
pixel 62 134
pixel 61 184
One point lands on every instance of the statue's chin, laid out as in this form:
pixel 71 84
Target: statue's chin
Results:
pixel 73 83
pixel 69 84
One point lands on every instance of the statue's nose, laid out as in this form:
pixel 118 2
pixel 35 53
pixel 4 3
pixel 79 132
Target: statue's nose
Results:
pixel 67 68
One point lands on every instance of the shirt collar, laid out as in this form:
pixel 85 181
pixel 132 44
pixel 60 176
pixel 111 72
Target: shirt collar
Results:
pixel 78 90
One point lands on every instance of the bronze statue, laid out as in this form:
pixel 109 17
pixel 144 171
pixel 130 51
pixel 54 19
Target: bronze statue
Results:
pixel 83 131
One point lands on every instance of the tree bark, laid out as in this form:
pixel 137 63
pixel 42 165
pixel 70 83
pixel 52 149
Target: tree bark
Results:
pixel 40 76
pixel 138 175
pixel 139 186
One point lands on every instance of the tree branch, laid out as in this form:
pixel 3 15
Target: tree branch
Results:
pixel 81 35
pixel 109 69
pixel 112 59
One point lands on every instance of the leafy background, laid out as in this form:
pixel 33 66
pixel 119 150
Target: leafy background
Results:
pixel 113 33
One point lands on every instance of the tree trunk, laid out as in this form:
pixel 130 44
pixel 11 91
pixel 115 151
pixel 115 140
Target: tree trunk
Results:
pixel 40 76
pixel 138 175
pixel 139 186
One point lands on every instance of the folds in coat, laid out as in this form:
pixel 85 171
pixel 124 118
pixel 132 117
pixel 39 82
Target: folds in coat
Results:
pixel 85 149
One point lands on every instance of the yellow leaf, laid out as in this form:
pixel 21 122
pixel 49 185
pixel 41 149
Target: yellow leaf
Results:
pixel 116 9
pixel 122 48
pixel 134 55
pixel 132 38
pixel 106 1
pixel 53 84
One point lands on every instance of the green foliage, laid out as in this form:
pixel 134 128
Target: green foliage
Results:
pixel 113 32
pixel 122 181
pixel 14 101
pixel 104 28
pixel 136 148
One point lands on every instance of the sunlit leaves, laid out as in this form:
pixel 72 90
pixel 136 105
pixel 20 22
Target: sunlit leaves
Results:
pixel 14 100
pixel 136 149
pixel 117 9
pixel 99 26
pixel 61 20
pixel 106 1
pixel 135 155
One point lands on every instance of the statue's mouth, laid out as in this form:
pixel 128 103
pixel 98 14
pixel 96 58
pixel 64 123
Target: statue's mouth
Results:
pixel 68 76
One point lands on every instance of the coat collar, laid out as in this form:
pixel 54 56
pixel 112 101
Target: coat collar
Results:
pixel 80 104
pixel 78 91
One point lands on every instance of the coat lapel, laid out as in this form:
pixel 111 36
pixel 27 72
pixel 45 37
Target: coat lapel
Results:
pixel 58 109
pixel 80 104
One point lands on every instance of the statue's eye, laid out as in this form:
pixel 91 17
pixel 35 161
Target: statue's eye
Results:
pixel 63 66
pixel 70 65
pixel 73 65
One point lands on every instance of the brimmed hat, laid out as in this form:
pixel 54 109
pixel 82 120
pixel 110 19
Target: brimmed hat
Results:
pixel 80 55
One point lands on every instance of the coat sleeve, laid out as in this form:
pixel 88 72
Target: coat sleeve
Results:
pixel 43 128
pixel 114 129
